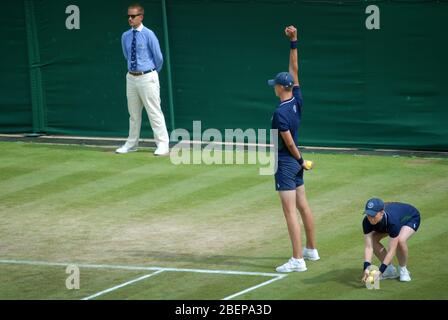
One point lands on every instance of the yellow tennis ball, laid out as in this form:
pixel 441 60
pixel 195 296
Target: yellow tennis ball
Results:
pixel 373 273
pixel 370 279
pixel 308 164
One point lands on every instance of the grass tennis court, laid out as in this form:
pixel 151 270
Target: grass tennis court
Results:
pixel 89 206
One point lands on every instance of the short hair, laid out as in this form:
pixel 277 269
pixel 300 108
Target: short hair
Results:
pixel 137 6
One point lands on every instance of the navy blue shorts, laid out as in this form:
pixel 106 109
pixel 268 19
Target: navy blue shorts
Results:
pixel 289 175
pixel 414 223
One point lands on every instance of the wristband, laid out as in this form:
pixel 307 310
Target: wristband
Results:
pixel 294 44
pixel 383 267
pixel 366 265
pixel 300 161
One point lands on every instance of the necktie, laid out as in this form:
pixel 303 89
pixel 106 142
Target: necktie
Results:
pixel 134 51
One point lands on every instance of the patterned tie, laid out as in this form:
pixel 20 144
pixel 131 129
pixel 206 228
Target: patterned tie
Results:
pixel 134 51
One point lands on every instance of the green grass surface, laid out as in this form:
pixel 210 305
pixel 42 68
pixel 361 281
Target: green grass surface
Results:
pixel 89 205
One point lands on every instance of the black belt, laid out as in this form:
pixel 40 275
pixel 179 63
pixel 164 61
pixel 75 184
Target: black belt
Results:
pixel 140 73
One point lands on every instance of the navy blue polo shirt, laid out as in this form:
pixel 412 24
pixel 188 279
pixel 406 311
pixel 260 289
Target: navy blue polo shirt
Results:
pixel 396 216
pixel 286 117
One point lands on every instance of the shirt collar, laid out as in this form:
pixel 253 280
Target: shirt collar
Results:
pixel 286 101
pixel 139 29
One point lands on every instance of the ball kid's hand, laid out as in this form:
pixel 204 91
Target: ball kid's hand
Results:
pixel 365 275
pixel 291 33
pixel 307 164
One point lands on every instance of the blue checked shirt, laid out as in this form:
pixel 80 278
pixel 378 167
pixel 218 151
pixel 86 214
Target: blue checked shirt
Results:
pixel 149 55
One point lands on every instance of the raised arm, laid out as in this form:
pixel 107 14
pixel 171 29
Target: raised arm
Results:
pixel 291 33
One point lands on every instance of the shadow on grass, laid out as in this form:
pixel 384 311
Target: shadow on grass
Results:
pixel 348 277
pixel 213 260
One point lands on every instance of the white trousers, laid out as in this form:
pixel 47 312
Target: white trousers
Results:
pixel 144 91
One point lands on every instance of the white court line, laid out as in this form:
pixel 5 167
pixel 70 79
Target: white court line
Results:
pixel 243 273
pixel 108 266
pixel 121 285
pixel 157 270
pixel 254 287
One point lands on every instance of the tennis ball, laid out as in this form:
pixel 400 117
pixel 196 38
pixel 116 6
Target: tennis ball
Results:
pixel 370 279
pixel 373 273
pixel 308 164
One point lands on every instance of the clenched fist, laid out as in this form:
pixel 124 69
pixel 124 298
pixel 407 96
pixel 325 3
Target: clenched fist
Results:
pixel 291 33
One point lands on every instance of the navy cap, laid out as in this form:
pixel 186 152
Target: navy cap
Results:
pixel 373 206
pixel 283 78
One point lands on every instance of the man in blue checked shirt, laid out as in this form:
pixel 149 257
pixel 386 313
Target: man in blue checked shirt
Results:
pixel 142 51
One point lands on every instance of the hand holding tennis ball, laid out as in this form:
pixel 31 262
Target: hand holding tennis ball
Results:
pixel 308 164
pixel 365 275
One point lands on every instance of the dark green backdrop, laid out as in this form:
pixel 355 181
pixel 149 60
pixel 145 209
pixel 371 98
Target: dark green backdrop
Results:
pixel 380 88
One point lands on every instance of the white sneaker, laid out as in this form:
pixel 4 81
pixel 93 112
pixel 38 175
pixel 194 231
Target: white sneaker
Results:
pixel 125 149
pixel 292 265
pixel 405 275
pixel 390 273
pixel 162 150
pixel 310 254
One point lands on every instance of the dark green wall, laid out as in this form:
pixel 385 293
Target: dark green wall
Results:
pixel 84 70
pixel 381 88
pixel 15 100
